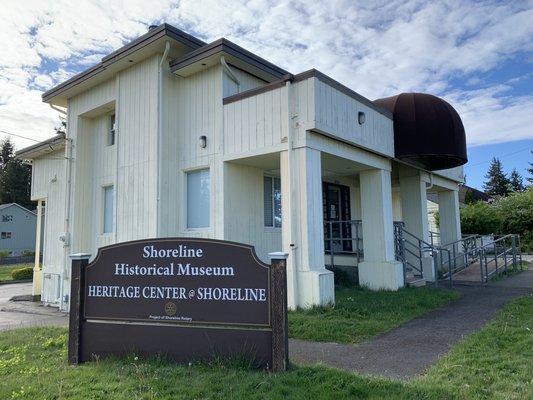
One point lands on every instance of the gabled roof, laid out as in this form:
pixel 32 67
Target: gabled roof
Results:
pixel 48 146
pixel 151 42
pixel 210 54
pixel 7 205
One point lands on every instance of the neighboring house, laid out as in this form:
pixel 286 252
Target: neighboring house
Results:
pixel 17 229
pixel 172 137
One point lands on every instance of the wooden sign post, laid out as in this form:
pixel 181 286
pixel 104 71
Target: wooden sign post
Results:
pixel 184 299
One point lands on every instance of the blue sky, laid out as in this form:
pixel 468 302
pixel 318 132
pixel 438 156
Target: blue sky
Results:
pixel 476 55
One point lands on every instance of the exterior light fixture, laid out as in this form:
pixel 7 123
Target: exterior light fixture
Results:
pixel 203 141
pixel 361 117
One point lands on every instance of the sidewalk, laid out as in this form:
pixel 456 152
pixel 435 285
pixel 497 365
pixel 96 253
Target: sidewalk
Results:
pixel 409 350
pixel 25 313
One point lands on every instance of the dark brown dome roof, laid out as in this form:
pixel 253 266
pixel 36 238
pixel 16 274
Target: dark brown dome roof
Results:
pixel 428 132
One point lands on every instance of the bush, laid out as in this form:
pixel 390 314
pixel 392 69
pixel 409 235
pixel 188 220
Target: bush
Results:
pixel 4 253
pixel 22 273
pixel 480 218
pixel 28 253
pixel 511 214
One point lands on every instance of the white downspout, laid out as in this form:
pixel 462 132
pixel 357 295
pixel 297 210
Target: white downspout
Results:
pixel 68 184
pixel 59 110
pixel 230 73
pixel 159 134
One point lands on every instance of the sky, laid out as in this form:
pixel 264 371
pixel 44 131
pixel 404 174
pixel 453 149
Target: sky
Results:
pixel 476 55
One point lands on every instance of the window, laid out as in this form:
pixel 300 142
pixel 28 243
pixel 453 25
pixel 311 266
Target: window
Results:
pixel 109 194
pixel 112 130
pixel 6 235
pixel 198 198
pixel 272 201
pixel 7 218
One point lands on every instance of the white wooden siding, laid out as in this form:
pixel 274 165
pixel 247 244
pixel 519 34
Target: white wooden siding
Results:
pixel 255 122
pixel 244 210
pixel 49 183
pixel 246 82
pixel 336 114
pixel 192 107
pixel 136 186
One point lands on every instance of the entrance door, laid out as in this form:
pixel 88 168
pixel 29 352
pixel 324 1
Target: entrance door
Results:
pixel 336 199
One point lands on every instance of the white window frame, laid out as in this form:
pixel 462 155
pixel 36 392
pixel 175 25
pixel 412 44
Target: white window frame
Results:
pixel 186 202
pixel 273 209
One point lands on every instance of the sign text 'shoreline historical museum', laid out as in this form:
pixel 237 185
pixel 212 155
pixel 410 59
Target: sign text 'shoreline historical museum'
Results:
pixel 184 299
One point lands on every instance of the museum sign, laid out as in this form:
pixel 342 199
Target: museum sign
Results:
pixel 184 299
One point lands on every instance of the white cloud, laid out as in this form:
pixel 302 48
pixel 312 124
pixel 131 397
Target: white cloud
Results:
pixel 378 48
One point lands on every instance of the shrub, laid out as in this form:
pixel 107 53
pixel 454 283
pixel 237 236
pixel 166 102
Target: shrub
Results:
pixel 28 253
pixel 22 273
pixel 480 218
pixel 4 253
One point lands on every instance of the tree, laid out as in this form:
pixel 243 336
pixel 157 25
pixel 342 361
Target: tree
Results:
pixel 497 183
pixel 516 181
pixel 530 170
pixel 15 177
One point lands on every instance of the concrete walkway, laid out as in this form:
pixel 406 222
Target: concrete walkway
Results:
pixel 410 349
pixel 22 314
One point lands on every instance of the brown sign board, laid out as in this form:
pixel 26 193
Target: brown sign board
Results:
pixel 186 299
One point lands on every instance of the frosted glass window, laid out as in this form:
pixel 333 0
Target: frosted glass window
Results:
pixel 109 195
pixel 112 130
pixel 198 198
pixel 272 201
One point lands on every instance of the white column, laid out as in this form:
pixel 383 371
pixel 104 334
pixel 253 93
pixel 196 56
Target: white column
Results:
pixel 303 230
pixel 415 217
pixel 449 217
pixel 37 272
pixel 379 270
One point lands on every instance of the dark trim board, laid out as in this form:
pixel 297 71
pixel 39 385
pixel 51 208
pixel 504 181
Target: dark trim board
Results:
pixel 228 47
pixel 312 73
pixel 137 44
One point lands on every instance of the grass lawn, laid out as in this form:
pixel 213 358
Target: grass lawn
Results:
pixel 360 314
pixel 5 271
pixel 495 363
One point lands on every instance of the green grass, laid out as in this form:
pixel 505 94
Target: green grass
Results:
pixel 495 363
pixel 5 271
pixel 360 314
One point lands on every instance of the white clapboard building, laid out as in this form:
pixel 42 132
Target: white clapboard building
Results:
pixel 172 137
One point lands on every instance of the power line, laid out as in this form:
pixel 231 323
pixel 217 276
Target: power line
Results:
pixel 502 156
pixel 21 136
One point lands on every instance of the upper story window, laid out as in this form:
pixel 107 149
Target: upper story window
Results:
pixel 5 235
pixel 7 218
pixel 272 201
pixel 198 198
pixel 112 130
pixel 109 200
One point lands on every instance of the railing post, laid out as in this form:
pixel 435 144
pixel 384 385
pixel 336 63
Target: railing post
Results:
pixel 450 269
pixel 513 245
pixel 278 296
pixel 435 255
pixel 480 255
pixel 77 296
pixel 331 242
pixel 357 242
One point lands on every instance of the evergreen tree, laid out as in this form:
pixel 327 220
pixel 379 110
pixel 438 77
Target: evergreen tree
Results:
pixel 530 170
pixel 516 181
pixel 497 183
pixel 15 177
